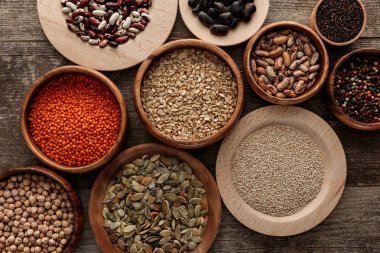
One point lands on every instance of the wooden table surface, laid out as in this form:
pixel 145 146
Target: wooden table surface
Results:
pixel 354 226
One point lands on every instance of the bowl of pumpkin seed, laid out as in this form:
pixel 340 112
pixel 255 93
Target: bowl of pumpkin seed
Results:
pixel 154 199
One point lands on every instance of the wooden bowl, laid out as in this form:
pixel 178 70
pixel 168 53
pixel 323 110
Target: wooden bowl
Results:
pixel 235 36
pixel 33 91
pixel 324 62
pixel 169 47
pixel 103 180
pixel 332 155
pixel 52 20
pixel 74 198
pixel 313 25
pixel 334 107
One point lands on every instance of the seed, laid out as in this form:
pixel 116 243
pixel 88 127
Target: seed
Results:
pixel 296 175
pixel 72 6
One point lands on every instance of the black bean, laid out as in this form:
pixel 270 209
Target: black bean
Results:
pixel 206 19
pixel 213 13
pixel 219 7
pixel 225 18
pixel 113 43
pixel 219 29
pixel 237 10
pixel 197 9
pixel 248 10
pixel 234 23
pixel 193 3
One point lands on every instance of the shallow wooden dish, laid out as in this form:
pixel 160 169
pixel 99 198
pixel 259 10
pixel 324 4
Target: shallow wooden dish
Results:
pixel 33 91
pixel 178 44
pixel 74 198
pixel 337 110
pixel 332 155
pixel 324 62
pixel 313 25
pixel 52 19
pixel 235 36
pixel 101 184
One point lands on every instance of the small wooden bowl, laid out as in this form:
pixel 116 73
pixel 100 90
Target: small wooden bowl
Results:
pixel 74 198
pixel 103 180
pixel 178 44
pixel 334 107
pixel 324 62
pixel 332 155
pixel 313 25
pixel 33 91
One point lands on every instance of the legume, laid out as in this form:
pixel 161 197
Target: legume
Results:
pixel 278 170
pixel 36 215
pixel 189 94
pixel 103 23
pixel 75 120
pixel 340 20
pixel 357 88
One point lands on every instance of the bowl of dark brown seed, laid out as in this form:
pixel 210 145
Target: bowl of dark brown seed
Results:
pixel 188 93
pixel 39 211
pixel 153 198
pixel 339 22
pixel 286 63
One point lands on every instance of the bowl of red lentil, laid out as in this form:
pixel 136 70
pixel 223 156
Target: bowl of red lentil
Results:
pixel 189 93
pixel 74 119
pixel 353 89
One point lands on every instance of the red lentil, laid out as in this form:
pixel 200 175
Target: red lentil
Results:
pixel 75 120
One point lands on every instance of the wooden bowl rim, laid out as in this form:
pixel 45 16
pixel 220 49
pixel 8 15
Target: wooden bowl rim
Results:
pixel 102 182
pixel 327 198
pixel 314 26
pixel 33 91
pixel 73 195
pixel 336 110
pixel 180 44
pixel 321 77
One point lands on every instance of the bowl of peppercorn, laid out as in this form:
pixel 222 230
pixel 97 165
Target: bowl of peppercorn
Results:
pixel 354 89
pixel 339 22
pixel 74 119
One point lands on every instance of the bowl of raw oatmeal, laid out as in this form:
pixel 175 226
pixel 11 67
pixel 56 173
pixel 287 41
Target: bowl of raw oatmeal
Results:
pixel 188 93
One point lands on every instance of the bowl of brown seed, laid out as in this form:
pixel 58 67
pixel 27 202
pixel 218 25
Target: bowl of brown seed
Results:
pixel 154 198
pixel 188 93
pixel 40 211
pixel 286 63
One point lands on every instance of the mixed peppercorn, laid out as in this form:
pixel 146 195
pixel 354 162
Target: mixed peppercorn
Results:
pixel 75 120
pixel 357 88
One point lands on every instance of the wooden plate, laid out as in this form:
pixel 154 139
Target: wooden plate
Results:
pixel 74 198
pixel 235 36
pixel 332 155
pixel 101 184
pixel 52 19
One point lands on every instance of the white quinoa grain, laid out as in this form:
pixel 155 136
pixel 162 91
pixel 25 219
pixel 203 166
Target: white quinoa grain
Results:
pixel 278 170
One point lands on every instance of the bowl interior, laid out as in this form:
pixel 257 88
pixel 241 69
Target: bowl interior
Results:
pixel 181 44
pixel 74 198
pixel 332 155
pixel 335 108
pixel 314 26
pixel 34 90
pixel 323 61
pixel 102 182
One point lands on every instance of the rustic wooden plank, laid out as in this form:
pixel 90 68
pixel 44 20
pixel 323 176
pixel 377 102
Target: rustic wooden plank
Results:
pixel 19 18
pixel 352 227
pixel 21 65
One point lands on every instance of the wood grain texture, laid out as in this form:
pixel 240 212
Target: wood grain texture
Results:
pixel 181 44
pixel 332 155
pixel 211 200
pixel 353 226
pixel 133 52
